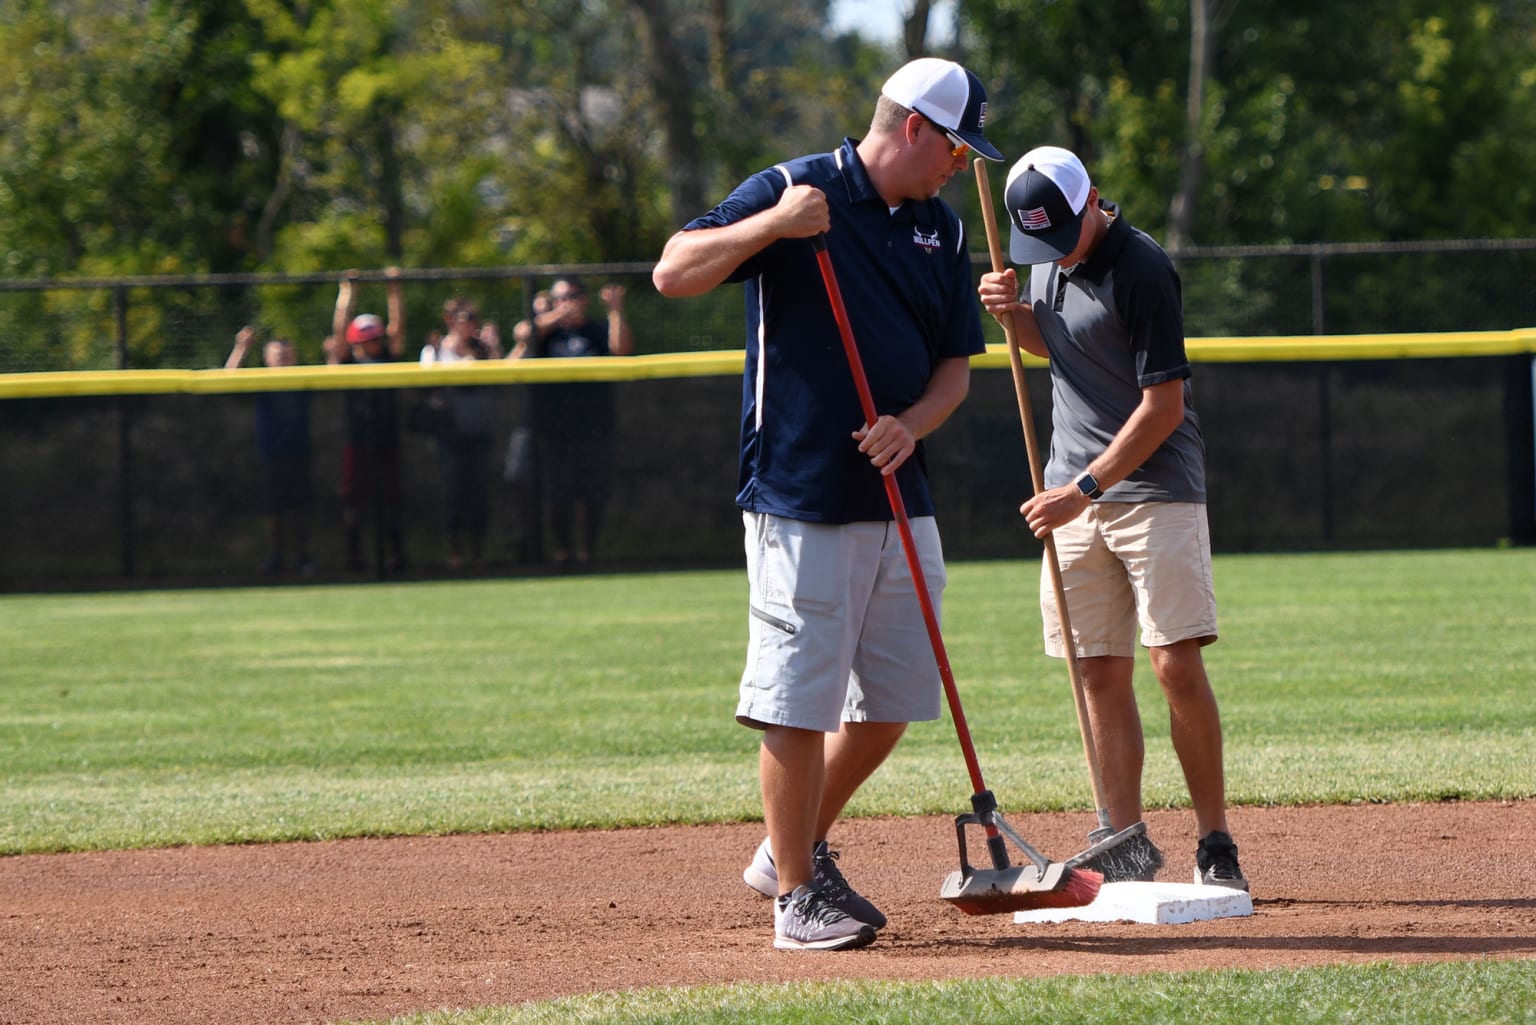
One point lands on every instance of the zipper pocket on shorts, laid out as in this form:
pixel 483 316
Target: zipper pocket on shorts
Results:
pixel 773 621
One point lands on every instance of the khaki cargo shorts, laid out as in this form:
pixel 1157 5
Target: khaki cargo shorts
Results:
pixel 1126 565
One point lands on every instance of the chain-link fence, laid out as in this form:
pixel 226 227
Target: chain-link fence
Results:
pixel 171 488
pixel 162 322
pixel 188 322
pixel 1363 288
pixel 115 484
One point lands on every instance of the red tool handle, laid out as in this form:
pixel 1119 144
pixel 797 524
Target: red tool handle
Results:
pixel 899 508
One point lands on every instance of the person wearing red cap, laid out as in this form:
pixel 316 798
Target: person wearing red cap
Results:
pixel 1124 494
pixel 837 661
pixel 370 468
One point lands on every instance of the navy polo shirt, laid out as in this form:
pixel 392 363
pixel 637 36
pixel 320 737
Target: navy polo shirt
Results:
pixel 1114 325
pixel 906 280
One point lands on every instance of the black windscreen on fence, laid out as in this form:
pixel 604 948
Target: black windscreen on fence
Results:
pixel 171 489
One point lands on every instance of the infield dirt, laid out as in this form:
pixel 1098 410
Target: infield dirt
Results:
pixel 371 928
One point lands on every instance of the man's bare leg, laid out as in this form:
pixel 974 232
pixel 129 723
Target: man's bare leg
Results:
pixel 1117 736
pixel 1194 724
pixel 852 755
pixel 792 775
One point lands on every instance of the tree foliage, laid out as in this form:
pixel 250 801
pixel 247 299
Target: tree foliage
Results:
pixel 119 137
pixel 1384 119
pixel 166 136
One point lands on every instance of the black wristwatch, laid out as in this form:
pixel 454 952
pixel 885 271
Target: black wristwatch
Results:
pixel 1089 486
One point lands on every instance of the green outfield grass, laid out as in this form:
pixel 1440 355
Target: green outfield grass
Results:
pixel 1468 993
pixel 223 716
pixel 286 713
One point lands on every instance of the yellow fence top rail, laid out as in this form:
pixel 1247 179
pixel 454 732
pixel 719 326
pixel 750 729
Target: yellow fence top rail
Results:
pixel 1282 349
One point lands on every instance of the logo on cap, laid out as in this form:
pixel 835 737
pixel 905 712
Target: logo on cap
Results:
pixel 1034 220
pixel 947 94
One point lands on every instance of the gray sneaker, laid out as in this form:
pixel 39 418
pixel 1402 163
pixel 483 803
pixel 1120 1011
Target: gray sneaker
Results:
pixel 805 919
pixel 763 876
pixel 1216 862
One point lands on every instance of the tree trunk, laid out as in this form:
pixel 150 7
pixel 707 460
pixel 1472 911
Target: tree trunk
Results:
pixel 914 29
pixel 668 75
pixel 1206 19
pixel 288 150
pixel 720 47
pixel 1181 210
pixel 391 189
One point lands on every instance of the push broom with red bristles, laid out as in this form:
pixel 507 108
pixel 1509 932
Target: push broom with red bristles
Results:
pixel 1005 886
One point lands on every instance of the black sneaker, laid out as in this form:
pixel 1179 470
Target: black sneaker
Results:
pixel 829 880
pixel 1216 862
pixel 806 920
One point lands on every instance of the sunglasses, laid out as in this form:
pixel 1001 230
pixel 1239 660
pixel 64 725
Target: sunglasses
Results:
pixel 958 146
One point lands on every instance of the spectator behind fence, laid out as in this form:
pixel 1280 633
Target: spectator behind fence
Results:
pixel 282 437
pixel 572 422
pixel 484 332
pixel 517 468
pixel 370 466
pixel 463 431
pixel 522 332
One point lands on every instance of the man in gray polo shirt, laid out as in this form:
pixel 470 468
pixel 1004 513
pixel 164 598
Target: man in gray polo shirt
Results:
pixel 1125 483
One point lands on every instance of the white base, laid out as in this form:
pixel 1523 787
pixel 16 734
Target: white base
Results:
pixel 1151 903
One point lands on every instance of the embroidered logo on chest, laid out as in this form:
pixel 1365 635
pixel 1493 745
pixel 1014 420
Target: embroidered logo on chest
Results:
pixel 928 240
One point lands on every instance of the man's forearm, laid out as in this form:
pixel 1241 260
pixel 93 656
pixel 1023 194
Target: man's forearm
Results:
pixel 1154 420
pixel 948 387
pixel 694 262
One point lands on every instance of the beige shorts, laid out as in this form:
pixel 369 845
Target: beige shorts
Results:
pixel 835 631
pixel 1130 564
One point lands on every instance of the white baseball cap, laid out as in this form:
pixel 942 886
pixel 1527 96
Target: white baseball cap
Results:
pixel 948 95
pixel 1045 197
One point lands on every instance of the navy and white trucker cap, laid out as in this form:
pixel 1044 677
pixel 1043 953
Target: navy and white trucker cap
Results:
pixel 948 95
pixel 1046 194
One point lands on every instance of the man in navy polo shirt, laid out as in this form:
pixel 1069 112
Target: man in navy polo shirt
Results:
pixel 838 656
pixel 1124 490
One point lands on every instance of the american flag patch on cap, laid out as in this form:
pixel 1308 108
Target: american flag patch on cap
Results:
pixel 1034 220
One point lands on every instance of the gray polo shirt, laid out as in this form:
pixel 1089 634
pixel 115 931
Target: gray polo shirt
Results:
pixel 1114 325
